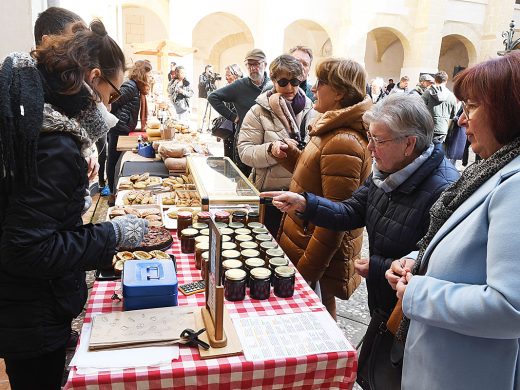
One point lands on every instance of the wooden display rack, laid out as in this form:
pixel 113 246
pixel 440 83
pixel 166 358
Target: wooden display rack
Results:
pixel 220 331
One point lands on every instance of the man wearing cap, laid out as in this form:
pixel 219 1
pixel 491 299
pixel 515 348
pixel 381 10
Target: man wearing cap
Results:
pixel 242 93
pixel 425 80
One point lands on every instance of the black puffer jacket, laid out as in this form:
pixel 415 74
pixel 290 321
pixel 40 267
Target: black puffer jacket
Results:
pixel 45 250
pixel 126 108
pixel 395 221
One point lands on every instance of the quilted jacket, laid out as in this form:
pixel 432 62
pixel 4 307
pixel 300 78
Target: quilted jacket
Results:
pixel 395 221
pixel 334 164
pixel 126 108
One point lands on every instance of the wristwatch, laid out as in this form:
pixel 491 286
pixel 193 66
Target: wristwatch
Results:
pixel 270 149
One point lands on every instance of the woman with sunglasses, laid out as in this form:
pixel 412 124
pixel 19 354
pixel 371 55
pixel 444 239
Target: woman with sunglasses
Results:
pixel 280 114
pixel 127 103
pixel 51 115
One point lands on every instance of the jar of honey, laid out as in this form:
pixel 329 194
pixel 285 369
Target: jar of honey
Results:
pixel 184 219
pixel 222 216
pixel 239 216
pixel 203 217
pixel 259 283
pixel 283 281
pixel 188 240
pixel 235 285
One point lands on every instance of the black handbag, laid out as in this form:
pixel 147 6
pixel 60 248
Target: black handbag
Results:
pixel 222 128
pixel 380 359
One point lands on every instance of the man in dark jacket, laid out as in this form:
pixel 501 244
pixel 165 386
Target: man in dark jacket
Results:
pixel 242 93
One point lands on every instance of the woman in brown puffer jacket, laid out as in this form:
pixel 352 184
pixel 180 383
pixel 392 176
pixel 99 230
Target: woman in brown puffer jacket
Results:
pixel 334 164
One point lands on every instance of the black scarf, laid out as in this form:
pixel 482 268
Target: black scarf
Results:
pixel 450 200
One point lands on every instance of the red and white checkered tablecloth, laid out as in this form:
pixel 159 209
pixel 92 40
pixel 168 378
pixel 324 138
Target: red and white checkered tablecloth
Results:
pixel 335 370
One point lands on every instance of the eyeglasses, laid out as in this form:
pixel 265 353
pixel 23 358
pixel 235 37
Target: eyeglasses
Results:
pixel 256 65
pixel 378 142
pixel 283 82
pixel 468 108
pixel 114 95
pixel 320 82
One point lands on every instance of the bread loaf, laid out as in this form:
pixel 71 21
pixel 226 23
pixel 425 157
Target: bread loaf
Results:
pixel 176 164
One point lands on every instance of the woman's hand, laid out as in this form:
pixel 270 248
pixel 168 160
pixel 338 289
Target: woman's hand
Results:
pixel 93 168
pixel 361 266
pixel 397 270
pixel 402 284
pixel 286 201
pixel 279 148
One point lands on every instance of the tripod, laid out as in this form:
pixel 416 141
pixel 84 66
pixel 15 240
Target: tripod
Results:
pixel 207 111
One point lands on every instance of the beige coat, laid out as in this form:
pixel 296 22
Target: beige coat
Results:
pixel 265 123
pixel 334 164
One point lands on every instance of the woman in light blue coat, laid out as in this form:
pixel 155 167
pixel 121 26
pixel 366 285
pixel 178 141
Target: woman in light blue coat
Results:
pixel 461 297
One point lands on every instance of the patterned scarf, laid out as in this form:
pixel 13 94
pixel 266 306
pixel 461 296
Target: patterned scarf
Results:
pixel 471 180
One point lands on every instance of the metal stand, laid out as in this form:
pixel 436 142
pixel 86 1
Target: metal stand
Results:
pixel 207 110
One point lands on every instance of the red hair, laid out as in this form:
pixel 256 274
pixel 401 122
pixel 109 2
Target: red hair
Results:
pixel 495 85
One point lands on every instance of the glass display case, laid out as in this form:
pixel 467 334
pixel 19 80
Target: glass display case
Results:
pixel 222 186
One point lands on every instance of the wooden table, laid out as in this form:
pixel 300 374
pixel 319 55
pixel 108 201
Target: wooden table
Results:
pixel 126 143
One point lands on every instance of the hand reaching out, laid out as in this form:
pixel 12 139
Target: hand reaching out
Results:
pixel 286 201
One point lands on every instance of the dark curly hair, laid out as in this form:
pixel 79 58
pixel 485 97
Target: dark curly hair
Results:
pixel 72 56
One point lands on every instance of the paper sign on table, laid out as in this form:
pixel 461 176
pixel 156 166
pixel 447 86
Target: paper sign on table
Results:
pixel 289 335
pixel 136 328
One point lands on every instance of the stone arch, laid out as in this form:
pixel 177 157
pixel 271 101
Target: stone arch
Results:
pixel 221 39
pixel 385 52
pixel 468 36
pixel 456 53
pixel 308 33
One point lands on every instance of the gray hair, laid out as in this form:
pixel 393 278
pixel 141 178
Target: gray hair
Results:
pixel 405 115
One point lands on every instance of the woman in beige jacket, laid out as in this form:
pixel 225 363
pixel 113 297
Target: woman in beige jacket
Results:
pixel 280 114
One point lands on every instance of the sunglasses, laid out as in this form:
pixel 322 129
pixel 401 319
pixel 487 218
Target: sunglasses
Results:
pixel 283 82
pixel 114 95
pixel 319 83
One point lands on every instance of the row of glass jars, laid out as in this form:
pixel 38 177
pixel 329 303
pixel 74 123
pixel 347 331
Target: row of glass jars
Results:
pixel 186 218
pixel 260 279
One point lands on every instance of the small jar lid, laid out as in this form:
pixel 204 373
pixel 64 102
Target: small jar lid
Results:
pixel 228 245
pixel 202 246
pixel 284 271
pixel 199 226
pixel 221 214
pixel 268 245
pixel 263 237
pixel 228 264
pixel 231 254
pixel 204 232
pixel 250 253
pixel 278 261
pixel 236 225
pixel 274 252
pixel 254 262
pixel 260 273
pixel 243 237
pixel 225 238
pixel 221 225
pixel 248 245
pixel 184 214
pixel 199 239
pixel 204 214
pixel 239 213
pixel 205 255
pixel 260 230
pixel 254 225
pixel 253 214
pixel 227 231
pixel 189 232
pixel 235 274
pixel 242 231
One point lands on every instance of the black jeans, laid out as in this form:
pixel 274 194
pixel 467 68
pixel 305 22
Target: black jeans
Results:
pixel 113 156
pixel 42 373
pixel 101 146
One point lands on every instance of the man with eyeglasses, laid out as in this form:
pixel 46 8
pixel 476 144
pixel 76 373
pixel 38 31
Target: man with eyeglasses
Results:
pixel 442 104
pixel 242 93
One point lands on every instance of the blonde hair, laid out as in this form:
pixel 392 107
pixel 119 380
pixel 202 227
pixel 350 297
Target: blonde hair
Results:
pixel 345 76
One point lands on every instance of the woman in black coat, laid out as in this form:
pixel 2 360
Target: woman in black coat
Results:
pixel 49 118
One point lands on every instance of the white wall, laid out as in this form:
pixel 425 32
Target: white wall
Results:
pixel 391 61
pixel 16 26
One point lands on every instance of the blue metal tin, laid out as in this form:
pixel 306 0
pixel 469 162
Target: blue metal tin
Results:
pixel 148 284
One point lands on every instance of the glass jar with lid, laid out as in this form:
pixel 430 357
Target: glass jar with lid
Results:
pixel 184 220
pixel 253 216
pixel 242 231
pixel 248 245
pixel 222 216
pixel 204 232
pixel 243 238
pixel 227 232
pixel 249 264
pixel 266 245
pixel 263 238
pixel 274 252
pixel 283 281
pixel 277 262
pixel 200 239
pixel 235 284
pixel 249 253
pixel 236 225
pixel 221 225
pixel 230 264
pixel 199 249
pixel 260 230
pixel 204 258
pixel 239 216
pixel 188 240
pixel 259 283
pixel 254 225
pixel 228 245
pixel 203 217
pixel 199 226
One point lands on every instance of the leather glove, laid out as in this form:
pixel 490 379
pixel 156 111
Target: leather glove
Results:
pixel 129 230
